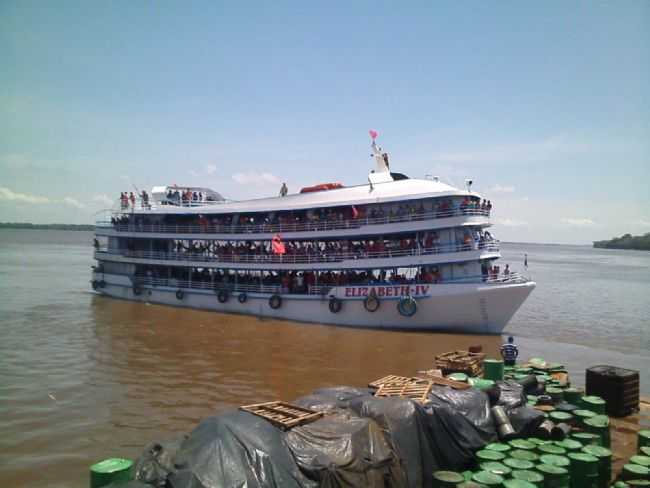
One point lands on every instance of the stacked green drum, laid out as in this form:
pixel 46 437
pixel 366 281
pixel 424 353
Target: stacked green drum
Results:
pixel 594 403
pixel 113 470
pixel 493 369
pixel 534 477
pixel 586 437
pixel 554 476
pixel 599 425
pixel 570 445
pixel 573 396
pixel 447 479
pixel 643 439
pixel 515 483
pixel 486 478
pixel 486 455
pixel 583 470
pixel 635 472
pixel 604 457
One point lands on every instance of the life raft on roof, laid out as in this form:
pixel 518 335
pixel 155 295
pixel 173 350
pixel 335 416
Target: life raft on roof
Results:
pixel 321 187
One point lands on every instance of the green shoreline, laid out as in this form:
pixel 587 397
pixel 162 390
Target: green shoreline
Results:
pixel 28 226
pixel 627 241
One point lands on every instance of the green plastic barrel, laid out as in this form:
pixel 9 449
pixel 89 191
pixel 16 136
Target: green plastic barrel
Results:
pixel 534 477
pixel 571 445
pixel 551 449
pixel 110 471
pixel 554 476
pixel 458 377
pixel 522 444
pixel 493 369
pixel 633 483
pixel 604 456
pixel 467 474
pixel 557 394
pixel 635 472
pixel 599 425
pixel 583 469
pixel 518 464
pixel 644 450
pixel 523 454
pixel 561 461
pixel 561 417
pixel 642 460
pixel 581 415
pixel 488 479
pixel 469 484
pixel 513 483
pixel 594 403
pixel 447 479
pixel 573 396
pixel 489 455
pixel 643 438
pixel 498 446
pixel 496 468
pixel 481 383
pixel 586 437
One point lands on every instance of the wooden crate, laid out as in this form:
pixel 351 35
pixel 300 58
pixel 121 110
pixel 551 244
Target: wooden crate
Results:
pixel 470 363
pixel 416 389
pixel 284 415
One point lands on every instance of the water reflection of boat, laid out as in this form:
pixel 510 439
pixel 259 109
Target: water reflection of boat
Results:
pixel 396 252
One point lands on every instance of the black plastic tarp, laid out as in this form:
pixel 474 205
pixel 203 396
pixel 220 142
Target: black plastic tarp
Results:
pixel 361 441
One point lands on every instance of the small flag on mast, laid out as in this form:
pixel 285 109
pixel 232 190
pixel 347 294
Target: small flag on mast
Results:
pixel 373 134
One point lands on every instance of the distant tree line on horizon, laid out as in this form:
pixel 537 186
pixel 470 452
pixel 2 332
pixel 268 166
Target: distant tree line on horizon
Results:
pixel 29 226
pixel 627 241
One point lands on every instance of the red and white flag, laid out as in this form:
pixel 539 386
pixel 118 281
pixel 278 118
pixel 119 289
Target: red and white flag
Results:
pixel 277 246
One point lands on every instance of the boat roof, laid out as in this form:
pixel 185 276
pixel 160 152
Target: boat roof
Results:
pixel 392 191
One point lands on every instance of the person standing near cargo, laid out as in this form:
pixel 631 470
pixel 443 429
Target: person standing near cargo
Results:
pixel 509 352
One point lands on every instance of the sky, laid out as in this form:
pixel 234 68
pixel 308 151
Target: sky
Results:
pixel 544 105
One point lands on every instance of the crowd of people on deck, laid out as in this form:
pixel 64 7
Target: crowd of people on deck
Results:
pixel 312 251
pixel 301 219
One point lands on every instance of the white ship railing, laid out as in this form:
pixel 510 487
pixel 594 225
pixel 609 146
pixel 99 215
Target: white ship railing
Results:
pixel 207 285
pixel 321 257
pixel 324 225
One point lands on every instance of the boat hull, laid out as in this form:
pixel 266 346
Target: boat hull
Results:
pixel 476 308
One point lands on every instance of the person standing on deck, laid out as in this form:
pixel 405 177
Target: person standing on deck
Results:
pixel 509 352
pixel 284 190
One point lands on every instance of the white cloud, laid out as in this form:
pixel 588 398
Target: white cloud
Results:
pixel 73 202
pixel 255 178
pixel 10 195
pixel 501 189
pixel 578 222
pixel 210 169
pixel 511 222
pixel 103 200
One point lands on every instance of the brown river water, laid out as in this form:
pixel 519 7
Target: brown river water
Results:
pixel 84 377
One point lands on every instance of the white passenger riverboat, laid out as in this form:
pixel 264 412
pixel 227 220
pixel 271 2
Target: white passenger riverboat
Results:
pixel 396 252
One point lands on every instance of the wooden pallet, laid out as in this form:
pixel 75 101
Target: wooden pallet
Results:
pixel 284 415
pixel 416 389
pixel 390 379
pixel 470 363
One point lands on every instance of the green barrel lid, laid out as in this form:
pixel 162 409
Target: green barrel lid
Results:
pixel 586 437
pixel 467 474
pixel 620 484
pixel 458 377
pixel 551 390
pixel 498 446
pixel 531 398
pixel 559 416
pixel 517 484
pixel 551 449
pixel 598 420
pixel 581 412
pixel 496 468
pixel 469 484
pixel 635 471
pixel 644 450
pixel 515 463
pixel 487 478
pixel 569 444
pixel 594 403
pixel 524 370
pixel 522 444
pixel 552 471
pixel 109 471
pixel 644 438
pixel 451 477
pixel 489 455
pixel 638 483
pixel 480 383
pixel 555 460
pixel 528 475
pixel 642 460
pixel 597 451
pixel 537 441
pixel 522 454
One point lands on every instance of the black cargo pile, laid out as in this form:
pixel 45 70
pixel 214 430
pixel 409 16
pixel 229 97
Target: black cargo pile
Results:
pixel 362 441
